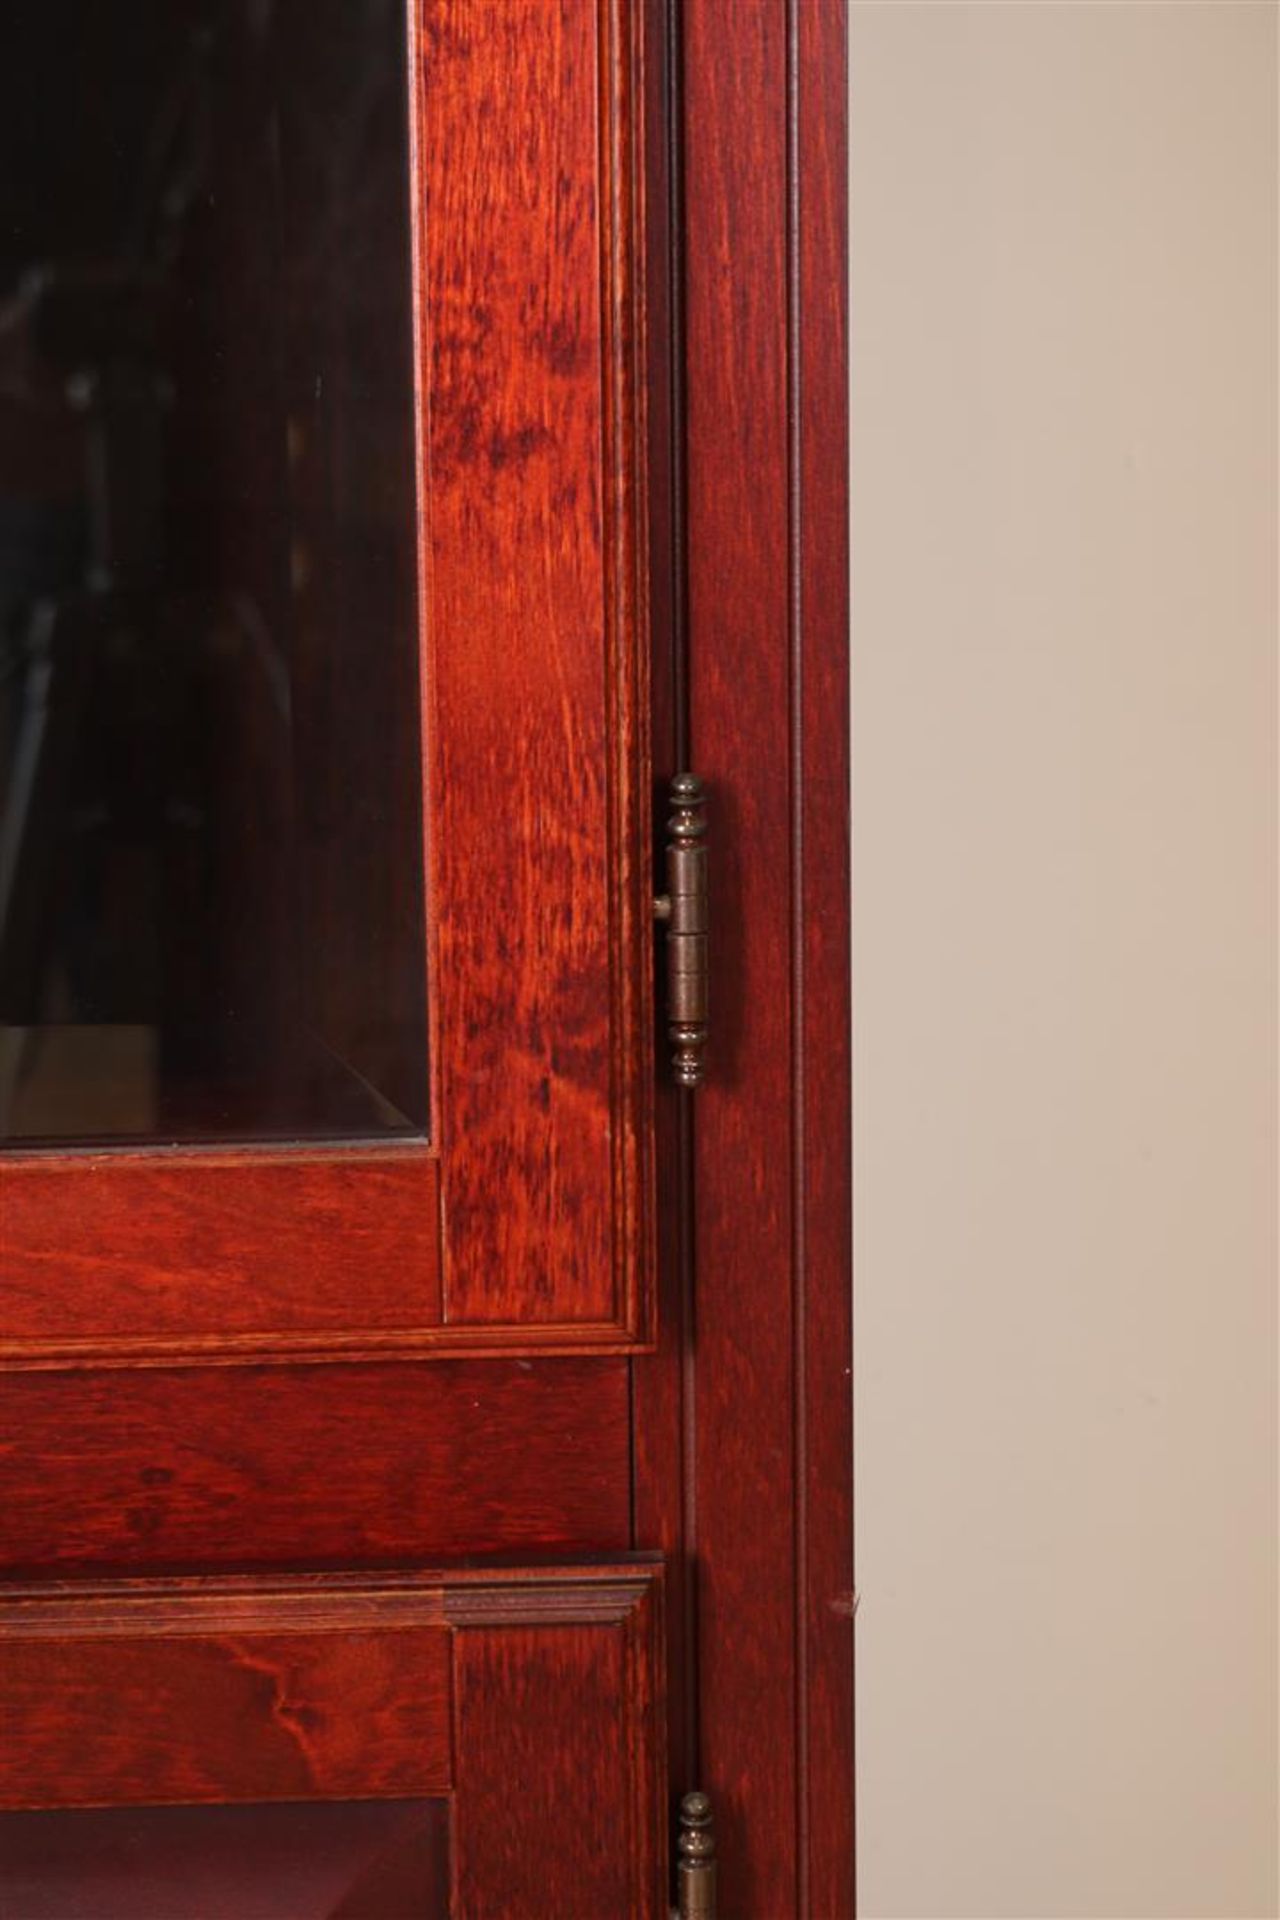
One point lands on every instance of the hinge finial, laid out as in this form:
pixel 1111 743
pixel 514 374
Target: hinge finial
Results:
pixel 696 1860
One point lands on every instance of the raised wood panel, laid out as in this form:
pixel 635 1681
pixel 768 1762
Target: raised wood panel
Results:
pixel 536 616
pixel 278 1465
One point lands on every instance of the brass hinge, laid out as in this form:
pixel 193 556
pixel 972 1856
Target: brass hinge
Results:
pixel 696 1860
pixel 685 908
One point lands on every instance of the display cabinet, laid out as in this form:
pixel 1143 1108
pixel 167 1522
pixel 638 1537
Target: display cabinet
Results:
pixel 373 1332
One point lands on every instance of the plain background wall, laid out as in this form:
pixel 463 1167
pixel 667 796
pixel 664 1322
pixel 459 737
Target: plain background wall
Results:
pixel 1064 416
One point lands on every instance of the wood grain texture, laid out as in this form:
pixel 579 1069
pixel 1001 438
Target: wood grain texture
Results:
pixel 146 1254
pixel 736 343
pixel 218 1705
pixel 538 651
pixel 533 1695
pixel 148 1259
pixel 769 1428
pixel 273 1466
pixel 574 1713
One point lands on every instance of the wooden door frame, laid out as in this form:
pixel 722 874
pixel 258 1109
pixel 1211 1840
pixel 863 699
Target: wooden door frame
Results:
pixel 744 1420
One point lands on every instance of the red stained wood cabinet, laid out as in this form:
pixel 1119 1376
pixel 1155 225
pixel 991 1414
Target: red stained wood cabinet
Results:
pixel 424 1425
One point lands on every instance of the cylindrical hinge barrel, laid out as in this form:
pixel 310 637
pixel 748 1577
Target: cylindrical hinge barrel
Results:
pixel 686 909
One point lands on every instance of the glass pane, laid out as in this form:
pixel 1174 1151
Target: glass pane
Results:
pixel 345 1860
pixel 211 913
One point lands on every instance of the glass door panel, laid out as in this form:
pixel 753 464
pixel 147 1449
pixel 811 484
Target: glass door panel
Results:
pixel 345 1860
pixel 211 874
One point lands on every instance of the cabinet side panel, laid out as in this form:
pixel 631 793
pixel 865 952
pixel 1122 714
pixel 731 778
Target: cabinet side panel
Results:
pixel 769 1430
pixel 822 1114
pixel 744 1447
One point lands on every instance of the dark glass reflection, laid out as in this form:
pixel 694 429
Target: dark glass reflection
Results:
pixel 211 918
pixel 344 1860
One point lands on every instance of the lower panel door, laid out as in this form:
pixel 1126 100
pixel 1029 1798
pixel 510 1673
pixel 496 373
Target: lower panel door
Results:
pixel 462 1743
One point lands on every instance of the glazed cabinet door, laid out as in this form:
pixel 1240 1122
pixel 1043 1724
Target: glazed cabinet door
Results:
pixel 435 1746
pixel 325 876
pixel 326 902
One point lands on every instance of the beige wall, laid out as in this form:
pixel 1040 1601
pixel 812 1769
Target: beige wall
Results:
pixel 1064 628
